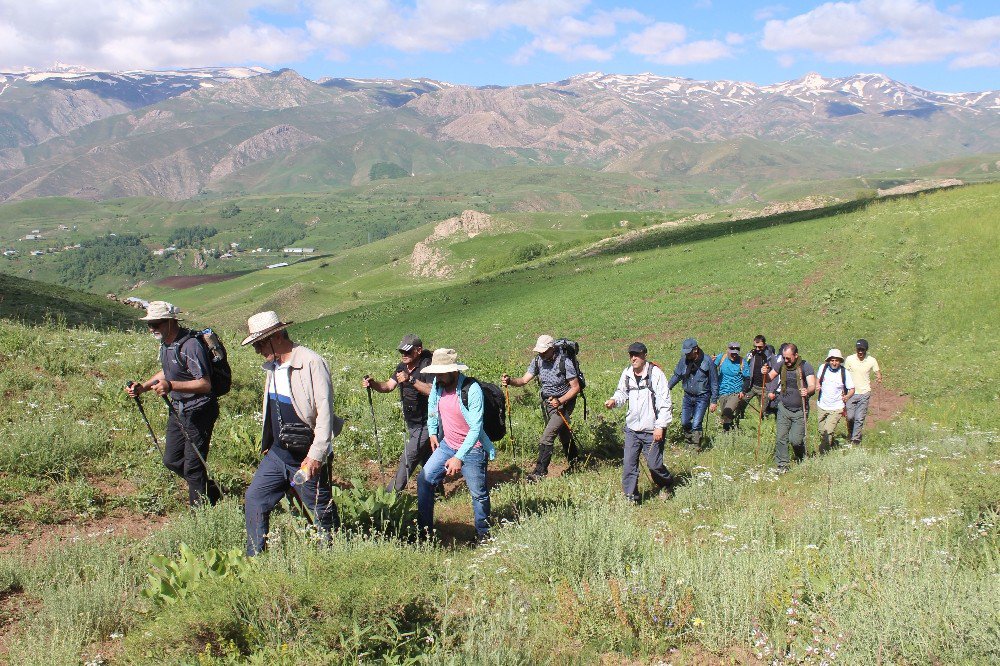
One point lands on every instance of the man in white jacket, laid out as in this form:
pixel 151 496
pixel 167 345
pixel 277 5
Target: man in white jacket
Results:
pixel 644 387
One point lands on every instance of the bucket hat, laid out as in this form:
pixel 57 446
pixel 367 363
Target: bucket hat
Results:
pixel 262 325
pixel 544 343
pixel 834 353
pixel 160 310
pixel 443 361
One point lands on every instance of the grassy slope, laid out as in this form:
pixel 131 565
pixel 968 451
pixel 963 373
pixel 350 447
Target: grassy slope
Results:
pixel 901 535
pixel 883 272
pixel 34 302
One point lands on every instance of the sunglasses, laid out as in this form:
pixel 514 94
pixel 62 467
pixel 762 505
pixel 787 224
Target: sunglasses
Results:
pixel 259 343
pixel 156 323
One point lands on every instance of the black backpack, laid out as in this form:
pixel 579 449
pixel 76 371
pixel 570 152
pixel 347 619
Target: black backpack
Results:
pixel 494 407
pixel 221 374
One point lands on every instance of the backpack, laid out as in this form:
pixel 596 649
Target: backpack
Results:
pixel 570 349
pixel 221 375
pixel 494 407
pixel 649 383
pixel 822 372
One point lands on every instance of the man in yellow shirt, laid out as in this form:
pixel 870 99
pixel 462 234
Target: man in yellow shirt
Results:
pixel 860 365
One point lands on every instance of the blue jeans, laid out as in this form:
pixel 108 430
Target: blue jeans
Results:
pixel 693 411
pixel 474 472
pixel 271 482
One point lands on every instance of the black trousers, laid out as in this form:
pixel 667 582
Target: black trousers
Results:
pixel 188 430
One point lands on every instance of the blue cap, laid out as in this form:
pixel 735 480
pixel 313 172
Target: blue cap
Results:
pixel 688 345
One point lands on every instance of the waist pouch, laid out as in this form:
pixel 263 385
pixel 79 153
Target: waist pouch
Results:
pixel 297 438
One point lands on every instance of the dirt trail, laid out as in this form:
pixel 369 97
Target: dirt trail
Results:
pixel 36 539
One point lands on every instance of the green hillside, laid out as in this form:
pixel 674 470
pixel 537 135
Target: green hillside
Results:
pixel 741 565
pixel 38 303
pixel 881 270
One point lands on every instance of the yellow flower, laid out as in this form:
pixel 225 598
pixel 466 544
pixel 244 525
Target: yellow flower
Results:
pixel 698 622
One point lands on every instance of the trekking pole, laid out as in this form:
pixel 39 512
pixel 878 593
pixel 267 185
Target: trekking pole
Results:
pixel 760 423
pixel 187 438
pixel 378 442
pixel 142 412
pixel 805 416
pixel 510 424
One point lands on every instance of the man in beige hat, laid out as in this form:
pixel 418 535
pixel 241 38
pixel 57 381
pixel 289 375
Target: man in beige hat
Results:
pixel 458 440
pixel 299 426
pixel 557 377
pixel 836 386
pixel 185 379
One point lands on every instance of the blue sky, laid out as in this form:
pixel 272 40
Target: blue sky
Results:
pixel 948 47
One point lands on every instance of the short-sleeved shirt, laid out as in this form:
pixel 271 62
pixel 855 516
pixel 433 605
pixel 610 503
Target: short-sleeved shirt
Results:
pixel 789 395
pixel 185 360
pixel 550 376
pixel 279 402
pixel 415 402
pixel 861 372
pixel 831 390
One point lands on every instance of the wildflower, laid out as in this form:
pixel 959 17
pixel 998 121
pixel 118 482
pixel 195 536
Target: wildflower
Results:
pixel 697 622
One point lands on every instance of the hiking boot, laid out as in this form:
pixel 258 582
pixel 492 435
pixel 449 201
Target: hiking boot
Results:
pixel 696 439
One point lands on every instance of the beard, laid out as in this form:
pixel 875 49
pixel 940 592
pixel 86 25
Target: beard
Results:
pixel 157 336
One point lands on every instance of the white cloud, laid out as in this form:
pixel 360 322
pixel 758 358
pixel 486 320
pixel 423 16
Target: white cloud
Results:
pixel 573 39
pixel 887 32
pixel 664 44
pixel 768 12
pixel 126 34
pixel 734 38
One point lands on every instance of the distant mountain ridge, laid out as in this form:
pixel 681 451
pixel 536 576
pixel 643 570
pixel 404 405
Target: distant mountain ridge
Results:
pixel 178 134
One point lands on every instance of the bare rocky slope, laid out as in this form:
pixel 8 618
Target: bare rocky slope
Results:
pixel 258 131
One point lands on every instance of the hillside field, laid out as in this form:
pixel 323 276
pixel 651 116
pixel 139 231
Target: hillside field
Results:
pixel 884 553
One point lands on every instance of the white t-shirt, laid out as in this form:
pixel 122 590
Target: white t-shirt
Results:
pixel 832 388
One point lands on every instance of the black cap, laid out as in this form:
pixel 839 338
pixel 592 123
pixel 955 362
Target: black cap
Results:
pixel 861 344
pixel 408 342
pixel 637 348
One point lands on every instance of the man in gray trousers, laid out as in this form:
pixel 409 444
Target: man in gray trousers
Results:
pixel 414 387
pixel 643 386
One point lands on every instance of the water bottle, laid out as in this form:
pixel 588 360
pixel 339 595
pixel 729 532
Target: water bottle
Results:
pixel 300 477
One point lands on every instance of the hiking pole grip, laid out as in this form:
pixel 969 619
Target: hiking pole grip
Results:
pixel 142 413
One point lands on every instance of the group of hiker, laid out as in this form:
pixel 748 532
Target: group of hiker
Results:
pixel 450 416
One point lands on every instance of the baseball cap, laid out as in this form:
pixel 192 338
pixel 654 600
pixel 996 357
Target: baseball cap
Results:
pixel 688 345
pixel 637 348
pixel 861 344
pixel 734 346
pixel 408 342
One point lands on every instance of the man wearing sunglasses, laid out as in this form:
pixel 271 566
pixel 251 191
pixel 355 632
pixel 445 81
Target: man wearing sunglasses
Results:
pixel 185 380
pixel 414 387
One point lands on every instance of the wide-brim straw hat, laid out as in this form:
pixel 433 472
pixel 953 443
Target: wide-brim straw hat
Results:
pixel 264 324
pixel 834 353
pixel 444 360
pixel 160 310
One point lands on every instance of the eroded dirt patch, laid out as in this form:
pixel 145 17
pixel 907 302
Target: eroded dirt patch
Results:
pixel 186 281
pixel 37 539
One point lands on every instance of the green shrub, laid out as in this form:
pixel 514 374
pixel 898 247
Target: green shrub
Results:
pixel 173 580
pixel 376 510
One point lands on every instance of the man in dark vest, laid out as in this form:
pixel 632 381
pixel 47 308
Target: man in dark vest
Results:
pixel 414 387
pixel 790 386
pixel 185 379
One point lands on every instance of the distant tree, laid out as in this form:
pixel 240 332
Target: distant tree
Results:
pixel 119 256
pixel 229 210
pixel 386 170
pixel 191 236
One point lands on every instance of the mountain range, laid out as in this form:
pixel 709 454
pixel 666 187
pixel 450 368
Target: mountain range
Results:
pixel 97 135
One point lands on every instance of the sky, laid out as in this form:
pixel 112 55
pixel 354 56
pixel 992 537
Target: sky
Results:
pixel 952 47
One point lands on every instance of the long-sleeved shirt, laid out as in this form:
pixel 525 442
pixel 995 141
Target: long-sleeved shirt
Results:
pixel 734 376
pixel 473 414
pixel 698 376
pixel 647 396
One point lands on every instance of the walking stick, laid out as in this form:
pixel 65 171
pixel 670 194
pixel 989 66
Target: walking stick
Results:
pixel 378 442
pixel 142 412
pixel 510 424
pixel 187 438
pixel 760 421
pixel 805 416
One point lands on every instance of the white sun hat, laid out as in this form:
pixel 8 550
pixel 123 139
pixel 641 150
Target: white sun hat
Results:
pixel 160 310
pixel 444 360
pixel 262 325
